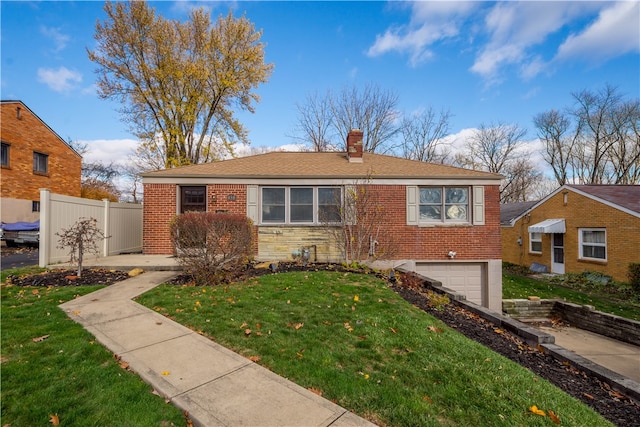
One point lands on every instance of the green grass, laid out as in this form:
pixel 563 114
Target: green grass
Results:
pixel 351 338
pixel 605 299
pixel 68 374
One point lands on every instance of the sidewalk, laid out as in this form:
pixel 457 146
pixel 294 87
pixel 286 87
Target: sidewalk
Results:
pixel 216 386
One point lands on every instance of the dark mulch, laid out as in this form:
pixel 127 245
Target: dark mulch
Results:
pixel 70 278
pixel 615 407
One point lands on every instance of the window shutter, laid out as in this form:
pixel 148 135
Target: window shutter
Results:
pixel 350 201
pixel 412 205
pixel 252 203
pixel 478 205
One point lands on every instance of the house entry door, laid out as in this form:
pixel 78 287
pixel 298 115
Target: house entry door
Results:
pixel 557 251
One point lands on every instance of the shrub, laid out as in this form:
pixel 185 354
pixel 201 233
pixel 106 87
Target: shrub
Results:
pixel 211 245
pixel 81 238
pixel 634 276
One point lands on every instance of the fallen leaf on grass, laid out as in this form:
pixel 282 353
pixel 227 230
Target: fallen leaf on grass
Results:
pixel 54 419
pixel 395 331
pixel 434 329
pixel 40 339
pixel 356 298
pixel 35 292
pixel 537 411
pixel 553 417
pixel 315 391
pixel 123 364
pixel 295 326
pixel 255 359
pixel 247 332
pixel 427 399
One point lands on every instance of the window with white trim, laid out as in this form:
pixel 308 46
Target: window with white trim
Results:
pixel 593 243
pixel 535 243
pixel 300 205
pixel 444 204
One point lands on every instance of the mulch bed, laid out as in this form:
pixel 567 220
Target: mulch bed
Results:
pixel 613 406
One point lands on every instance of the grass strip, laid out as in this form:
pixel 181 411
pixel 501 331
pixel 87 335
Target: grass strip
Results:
pixel 350 338
pixel 52 367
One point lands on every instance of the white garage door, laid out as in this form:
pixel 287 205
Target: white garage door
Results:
pixel 464 278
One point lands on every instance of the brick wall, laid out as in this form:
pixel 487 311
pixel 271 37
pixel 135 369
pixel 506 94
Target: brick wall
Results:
pixel 29 134
pixel 409 242
pixel 159 208
pixel 623 235
pixel 434 242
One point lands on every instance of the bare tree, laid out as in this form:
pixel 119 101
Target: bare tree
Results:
pixel 314 122
pixel 422 135
pixel 372 110
pixel 80 239
pixel 499 148
pixel 596 141
pixel 358 228
pixel 555 132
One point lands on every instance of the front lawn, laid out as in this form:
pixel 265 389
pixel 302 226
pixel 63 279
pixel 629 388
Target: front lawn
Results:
pixel 54 372
pixel 350 338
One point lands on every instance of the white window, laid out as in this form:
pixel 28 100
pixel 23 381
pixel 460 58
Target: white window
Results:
pixel 593 243
pixel 444 204
pixel 300 205
pixel 535 242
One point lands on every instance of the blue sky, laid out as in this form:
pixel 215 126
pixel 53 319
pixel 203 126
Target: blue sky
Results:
pixel 484 61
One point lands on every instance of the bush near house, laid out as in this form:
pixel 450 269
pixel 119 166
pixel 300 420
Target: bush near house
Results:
pixel 210 245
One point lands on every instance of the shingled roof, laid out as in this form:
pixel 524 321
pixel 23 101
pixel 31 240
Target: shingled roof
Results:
pixel 317 165
pixel 626 196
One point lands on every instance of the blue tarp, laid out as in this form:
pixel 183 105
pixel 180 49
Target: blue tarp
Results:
pixel 22 226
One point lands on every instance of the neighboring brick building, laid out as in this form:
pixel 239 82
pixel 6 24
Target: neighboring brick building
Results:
pixel 33 157
pixel 576 228
pixel 430 210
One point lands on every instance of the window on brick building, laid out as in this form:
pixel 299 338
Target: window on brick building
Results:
pixel 444 204
pixel 5 155
pixel 593 243
pixel 40 162
pixel 535 242
pixel 193 199
pixel 295 205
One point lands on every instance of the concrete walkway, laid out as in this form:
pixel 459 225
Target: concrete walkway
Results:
pixel 216 386
pixel 615 355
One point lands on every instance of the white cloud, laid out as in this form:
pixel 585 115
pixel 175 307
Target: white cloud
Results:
pixel 614 33
pixel 60 80
pixel 107 151
pixel 516 29
pixel 59 40
pixel 430 22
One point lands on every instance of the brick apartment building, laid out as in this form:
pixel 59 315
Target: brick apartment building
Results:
pixel 33 157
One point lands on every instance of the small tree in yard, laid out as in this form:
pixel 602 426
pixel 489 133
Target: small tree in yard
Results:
pixel 209 245
pixel 81 238
pixel 361 231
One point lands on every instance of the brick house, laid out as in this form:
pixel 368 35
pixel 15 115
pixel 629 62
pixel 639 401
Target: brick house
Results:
pixel 444 221
pixel 576 228
pixel 33 157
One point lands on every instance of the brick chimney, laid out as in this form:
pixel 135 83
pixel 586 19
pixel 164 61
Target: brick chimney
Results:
pixel 354 146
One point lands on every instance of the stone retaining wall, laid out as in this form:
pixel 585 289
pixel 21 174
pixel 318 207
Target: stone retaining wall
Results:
pixel 581 316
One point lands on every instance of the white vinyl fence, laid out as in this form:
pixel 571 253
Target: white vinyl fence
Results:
pixel 121 223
